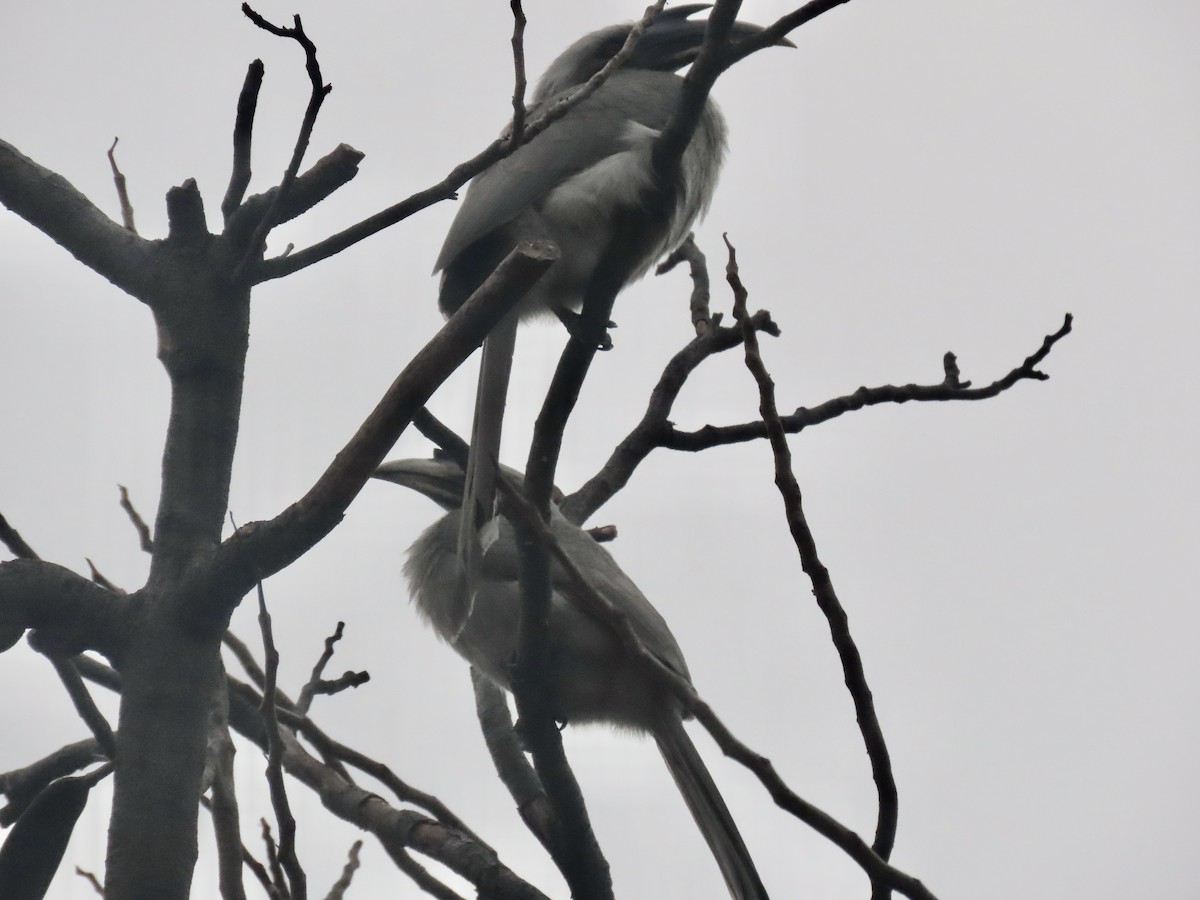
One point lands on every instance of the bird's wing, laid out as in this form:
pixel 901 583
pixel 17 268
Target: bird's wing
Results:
pixel 580 140
pixel 500 563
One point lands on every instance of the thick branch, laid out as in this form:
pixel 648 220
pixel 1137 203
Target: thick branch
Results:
pixel 49 203
pixel 243 133
pixel 259 549
pixel 400 830
pixel 21 786
pixel 327 174
pixel 70 612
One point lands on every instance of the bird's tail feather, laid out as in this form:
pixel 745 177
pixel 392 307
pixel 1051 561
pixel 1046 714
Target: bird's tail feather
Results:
pixel 708 808
pixel 479 491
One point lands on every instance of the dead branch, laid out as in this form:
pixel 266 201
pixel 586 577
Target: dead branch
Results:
pixel 122 190
pixel 296 879
pixel 243 133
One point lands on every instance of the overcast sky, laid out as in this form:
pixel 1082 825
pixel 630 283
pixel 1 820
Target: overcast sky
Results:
pixel 916 177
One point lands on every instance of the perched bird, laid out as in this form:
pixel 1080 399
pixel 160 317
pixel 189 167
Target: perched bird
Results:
pixel 590 676
pixel 575 185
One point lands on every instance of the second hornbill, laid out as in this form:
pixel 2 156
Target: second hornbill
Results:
pixel 590 674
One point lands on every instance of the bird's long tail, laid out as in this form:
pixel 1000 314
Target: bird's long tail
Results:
pixel 479 492
pixel 708 808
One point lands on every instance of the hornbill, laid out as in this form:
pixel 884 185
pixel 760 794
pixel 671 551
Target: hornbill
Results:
pixel 590 676
pixel 578 185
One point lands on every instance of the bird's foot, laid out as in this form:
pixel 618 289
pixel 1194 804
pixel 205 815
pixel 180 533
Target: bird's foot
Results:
pixel 522 732
pixel 573 322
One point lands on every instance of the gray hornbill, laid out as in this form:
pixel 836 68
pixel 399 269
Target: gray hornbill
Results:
pixel 590 675
pixel 575 185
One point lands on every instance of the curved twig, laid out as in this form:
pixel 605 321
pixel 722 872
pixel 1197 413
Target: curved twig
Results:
pixel 822 584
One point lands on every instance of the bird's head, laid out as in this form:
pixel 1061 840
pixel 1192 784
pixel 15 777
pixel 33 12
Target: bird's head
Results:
pixel 672 41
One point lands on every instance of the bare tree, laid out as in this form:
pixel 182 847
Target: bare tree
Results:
pixel 171 750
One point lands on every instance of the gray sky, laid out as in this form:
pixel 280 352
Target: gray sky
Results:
pixel 917 177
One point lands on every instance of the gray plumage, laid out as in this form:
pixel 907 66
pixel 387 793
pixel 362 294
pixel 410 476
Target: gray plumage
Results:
pixel 577 185
pixel 572 183
pixel 590 677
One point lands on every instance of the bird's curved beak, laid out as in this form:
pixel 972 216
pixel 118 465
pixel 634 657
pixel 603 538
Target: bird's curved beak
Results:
pixel 439 480
pixel 673 40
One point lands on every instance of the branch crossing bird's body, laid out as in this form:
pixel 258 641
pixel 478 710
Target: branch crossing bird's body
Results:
pixel 573 184
pixel 584 184
pixel 590 676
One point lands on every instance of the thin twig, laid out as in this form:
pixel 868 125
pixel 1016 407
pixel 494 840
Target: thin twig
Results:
pixel 278 879
pixel 822 584
pixel 319 90
pixel 689 252
pixel 656 430
pixel 246 658
pixel 422 877
pixel 318 685
pixel 90 879
pixel 519 83
pixel 85 705
pixel 774 33
pixel 338 890
pixel 143 530
pixel 224 807
pixel 257 869
pixel 122 190
pixel 99 577
pixel 14 542
pixel 279 799
pixel 655 425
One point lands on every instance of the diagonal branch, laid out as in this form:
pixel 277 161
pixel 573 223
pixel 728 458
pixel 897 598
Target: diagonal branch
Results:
pixel 258 549
pixel 316 97
pixel 122 189
pixel 656 430
pixel 85 705
pixel 517 130
pixel 655 426
pixel 822 585
pixel 780 29
pixel 243 133
pixel 68 611
pixel 947 390
pixel 296 879
pixel 51 204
